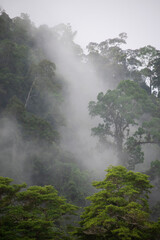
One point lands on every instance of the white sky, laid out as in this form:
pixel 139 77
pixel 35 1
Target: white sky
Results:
pixel 96 20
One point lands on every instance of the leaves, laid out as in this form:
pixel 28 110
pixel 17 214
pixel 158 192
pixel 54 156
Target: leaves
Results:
pixel 121 109
pixel 120 209
pixel 34 213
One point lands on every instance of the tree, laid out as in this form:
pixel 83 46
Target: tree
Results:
pixel 156 77
pixel 65 35
pixel 34 127
pixel 120 109
pixel 154 176
pixel 43 77
pixel 109 59
pixel 119 211
pixel 34 213
pixel 114 64
pixel 148 57
pixel 5 25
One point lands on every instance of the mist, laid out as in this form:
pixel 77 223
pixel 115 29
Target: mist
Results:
pixel 81 86
pixel 94 22
pixel 15 152
pixel 69 114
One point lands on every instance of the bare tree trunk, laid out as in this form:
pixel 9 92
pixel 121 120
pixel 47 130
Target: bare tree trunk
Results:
pixel 29 93
pixel 150 85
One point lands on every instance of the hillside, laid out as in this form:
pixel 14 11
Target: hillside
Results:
pixel 66 116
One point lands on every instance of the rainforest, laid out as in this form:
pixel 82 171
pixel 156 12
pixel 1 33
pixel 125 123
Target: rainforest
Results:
pixel 79 135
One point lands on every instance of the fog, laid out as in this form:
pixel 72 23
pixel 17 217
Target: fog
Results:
pixel 15 152
pixel 94 21
pixel 47 135
pixel 82 84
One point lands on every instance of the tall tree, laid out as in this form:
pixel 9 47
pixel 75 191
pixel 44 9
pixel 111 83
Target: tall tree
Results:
pixel 119 210
pixel 120 109
pixel 147 56
pixel 34 213
pixel 113 63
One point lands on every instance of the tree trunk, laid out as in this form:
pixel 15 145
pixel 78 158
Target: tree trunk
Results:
pixel 29 93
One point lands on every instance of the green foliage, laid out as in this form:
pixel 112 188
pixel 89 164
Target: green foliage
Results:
pixel 155 214
pixel 31 93
pixel 153 129
pixel 156 78
pixel 74 183
pixel 155 166
pixel 149 56
pixel 154 173
pixel 114 64
pixel 134 151
pixel 33 126
pixel 31 96
pixel 120 109
pixel 120 209
pixel 5 25
pixel 53 166
pixel 34 213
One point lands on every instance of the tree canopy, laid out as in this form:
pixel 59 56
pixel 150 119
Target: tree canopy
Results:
pixel 33 213
pixel 121 110
pixel 119 210
pixel 35 85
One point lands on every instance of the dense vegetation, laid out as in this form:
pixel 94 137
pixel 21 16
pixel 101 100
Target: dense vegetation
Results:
pixel 32 92
pixel 35 213
pixel 120 210
pixel 31 96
